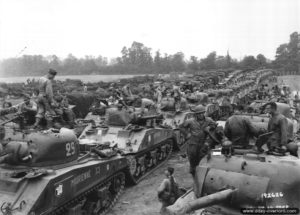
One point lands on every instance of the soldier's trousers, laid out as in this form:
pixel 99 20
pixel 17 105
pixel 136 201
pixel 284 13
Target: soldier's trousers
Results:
pixel 43 101
pixel 195 153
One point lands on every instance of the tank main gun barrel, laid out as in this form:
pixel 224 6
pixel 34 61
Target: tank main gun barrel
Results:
pixel 182 208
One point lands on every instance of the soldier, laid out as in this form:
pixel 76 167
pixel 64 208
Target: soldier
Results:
pixel 197 130
pixel 297 96
pixel 168 191
pixel 147 104
pixel 278 125
pixel 239 129
pixel 28 109
pixel 45 98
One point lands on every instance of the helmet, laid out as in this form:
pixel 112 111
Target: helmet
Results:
pixel 119 106
pixel 292 147
pixel 199 109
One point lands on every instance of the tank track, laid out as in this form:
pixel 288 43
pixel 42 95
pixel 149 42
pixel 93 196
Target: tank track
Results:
pixel 183 141
pixel 135 180
pixel 64 208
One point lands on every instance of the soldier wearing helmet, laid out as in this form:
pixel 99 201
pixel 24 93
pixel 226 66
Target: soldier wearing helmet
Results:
pixel 45 100
pixel 197 130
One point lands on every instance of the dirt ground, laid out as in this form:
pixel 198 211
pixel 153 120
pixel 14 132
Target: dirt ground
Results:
pixel 141 199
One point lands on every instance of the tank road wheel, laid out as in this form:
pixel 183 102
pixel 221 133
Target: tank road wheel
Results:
pixel 154 158
pixel 132 164
pixel 163 152
pixel 97 200
pixel 168 148
pixel 181 139
pixel 149 161
pixel 160 154
pixel 118 183
pixel 143 164
pixel 138 171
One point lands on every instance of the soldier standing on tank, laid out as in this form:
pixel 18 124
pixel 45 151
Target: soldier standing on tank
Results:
pixel 168 191
pixel 197 130
pixel 45 99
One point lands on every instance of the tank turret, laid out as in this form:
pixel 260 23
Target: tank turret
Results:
pixel 250 181
pixel 43 148
pixel 47 173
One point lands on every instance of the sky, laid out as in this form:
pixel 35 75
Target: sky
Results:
pixel 104 27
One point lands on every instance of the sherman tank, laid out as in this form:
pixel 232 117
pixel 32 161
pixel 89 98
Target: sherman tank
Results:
pixel 50 174
pixel 243 184
pixel 140 140
pixel 173 120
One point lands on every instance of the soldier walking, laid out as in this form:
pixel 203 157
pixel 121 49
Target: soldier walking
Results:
pixel 197 130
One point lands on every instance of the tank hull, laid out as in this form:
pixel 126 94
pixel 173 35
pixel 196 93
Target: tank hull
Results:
pixel 60 188
pixel 261 180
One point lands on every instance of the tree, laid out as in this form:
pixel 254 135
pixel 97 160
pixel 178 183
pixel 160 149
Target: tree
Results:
pixel 287 54
pixel 193 64
pixel 178 63
pixel 221 62
pixel 261 60
pixel 125 55
pixel 249 62
pixel 209 62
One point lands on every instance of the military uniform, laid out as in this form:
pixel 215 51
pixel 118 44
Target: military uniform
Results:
pixel 45 98
pixel 149 104
pixel 29 111
pixel 168 191
pixel 278 125
pixel 239 130
pixel 197 148
pixel 63 112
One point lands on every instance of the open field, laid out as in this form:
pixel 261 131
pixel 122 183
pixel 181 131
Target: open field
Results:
pixel 292 80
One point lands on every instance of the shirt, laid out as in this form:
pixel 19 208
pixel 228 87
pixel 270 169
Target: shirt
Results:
pixel 239 130
pixel 278 124
pixel 45 88
pixel 23 106
pixel 197 128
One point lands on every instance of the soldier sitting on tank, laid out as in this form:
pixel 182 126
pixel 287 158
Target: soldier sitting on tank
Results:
pixel 239 129
pixel 168 191
pixel 196 130
pixel 147 104
pixel 64 114
pixel 278 128
pixel 27 111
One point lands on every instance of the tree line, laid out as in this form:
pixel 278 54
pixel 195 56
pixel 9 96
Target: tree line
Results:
pixel 139 59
